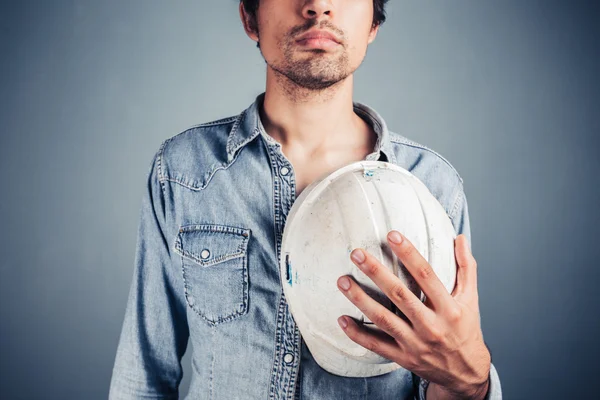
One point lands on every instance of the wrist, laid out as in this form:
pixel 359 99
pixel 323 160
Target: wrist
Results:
pixel 481 392
pixel 435 391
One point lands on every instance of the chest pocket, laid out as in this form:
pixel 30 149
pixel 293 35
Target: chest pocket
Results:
pixel 215 270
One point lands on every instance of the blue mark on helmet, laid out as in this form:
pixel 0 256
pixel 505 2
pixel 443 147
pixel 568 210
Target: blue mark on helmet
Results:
pixel 288 271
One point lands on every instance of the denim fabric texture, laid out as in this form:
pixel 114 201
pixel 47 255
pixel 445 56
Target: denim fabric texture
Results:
pixel 206 269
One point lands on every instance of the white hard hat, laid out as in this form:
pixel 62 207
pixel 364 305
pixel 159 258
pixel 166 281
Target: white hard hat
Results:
pixel 356 206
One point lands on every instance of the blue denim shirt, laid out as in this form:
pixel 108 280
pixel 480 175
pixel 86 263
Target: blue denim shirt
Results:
pixel 206 269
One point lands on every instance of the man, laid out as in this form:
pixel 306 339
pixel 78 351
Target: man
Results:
pixel 211 223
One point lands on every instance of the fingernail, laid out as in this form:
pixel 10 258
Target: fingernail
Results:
pixel 358 256
pixel 395 237
pixel 344 283
pixel 343 323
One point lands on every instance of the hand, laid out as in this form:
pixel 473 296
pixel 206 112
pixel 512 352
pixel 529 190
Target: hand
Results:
pixel 441 340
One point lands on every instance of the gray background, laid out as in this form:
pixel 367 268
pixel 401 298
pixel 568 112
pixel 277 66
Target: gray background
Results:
pixel 508 91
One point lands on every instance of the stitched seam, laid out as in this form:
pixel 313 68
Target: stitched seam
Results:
pixel 457 201
pixel 279 347
pixel 276 371
pixel 160 165
pixel 248 139
pixel 196 188
pixel 193 257
pixel 222 121
pixel 410 143
pixel 212 367
pixel 296 365
pixel 207 124
pixel 219 319
pixel 215 228
pixel 240 251
pixel 179 249
pixel 234 129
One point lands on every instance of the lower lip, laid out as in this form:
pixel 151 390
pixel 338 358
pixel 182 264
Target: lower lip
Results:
pixel 318 43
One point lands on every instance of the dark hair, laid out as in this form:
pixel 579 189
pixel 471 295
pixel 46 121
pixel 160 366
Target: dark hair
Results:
pixel 251 6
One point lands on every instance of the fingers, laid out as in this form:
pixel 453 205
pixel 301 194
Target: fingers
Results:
pixel 390 284
pixel 466 279
pixel 385 319
pixel 421 271
pixel 377 342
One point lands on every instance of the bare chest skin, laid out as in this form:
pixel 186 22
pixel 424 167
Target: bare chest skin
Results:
pixel 307 169
pixel 307 173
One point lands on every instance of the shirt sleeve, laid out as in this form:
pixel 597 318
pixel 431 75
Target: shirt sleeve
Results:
pixel 459 216
pixel 155 333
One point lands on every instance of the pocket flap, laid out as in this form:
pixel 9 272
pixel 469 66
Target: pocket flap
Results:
pixel 208 244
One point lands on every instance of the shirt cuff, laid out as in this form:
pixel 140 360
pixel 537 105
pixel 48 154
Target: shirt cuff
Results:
pixel 494 388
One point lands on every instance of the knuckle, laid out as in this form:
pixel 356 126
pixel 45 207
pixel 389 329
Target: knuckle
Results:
pixel 399 335
pixel 371 268
pixel 420 313
pixel 426 272
pixel 454 314
pixel 436 335
pixel 382 320
pixel 372 345
pixel 400 292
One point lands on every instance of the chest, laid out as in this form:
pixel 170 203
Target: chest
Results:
pixel 307 174
pixel 306 171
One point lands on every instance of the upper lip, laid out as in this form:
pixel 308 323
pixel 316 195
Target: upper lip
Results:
pixel 315 34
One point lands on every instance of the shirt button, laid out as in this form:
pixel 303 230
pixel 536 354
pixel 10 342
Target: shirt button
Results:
pixel 284 171
pixel 288 358
pixel 205 254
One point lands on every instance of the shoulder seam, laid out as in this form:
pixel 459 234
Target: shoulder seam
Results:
pixel 411 143
pixel 222 121
pixel 159 163
pixel 159 155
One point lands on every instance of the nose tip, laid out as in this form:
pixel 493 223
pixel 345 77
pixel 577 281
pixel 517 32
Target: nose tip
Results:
pixel 315 9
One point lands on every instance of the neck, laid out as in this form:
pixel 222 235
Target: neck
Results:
pixel 311 121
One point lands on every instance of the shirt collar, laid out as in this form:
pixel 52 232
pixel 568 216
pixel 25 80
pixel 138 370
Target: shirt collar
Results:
pixel 248 126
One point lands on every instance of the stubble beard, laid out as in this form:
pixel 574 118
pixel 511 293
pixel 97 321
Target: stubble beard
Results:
pixel 303 75
pixel 315 70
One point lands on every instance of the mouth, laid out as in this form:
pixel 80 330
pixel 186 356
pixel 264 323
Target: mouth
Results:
pixel 318 43
pixel 318 39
